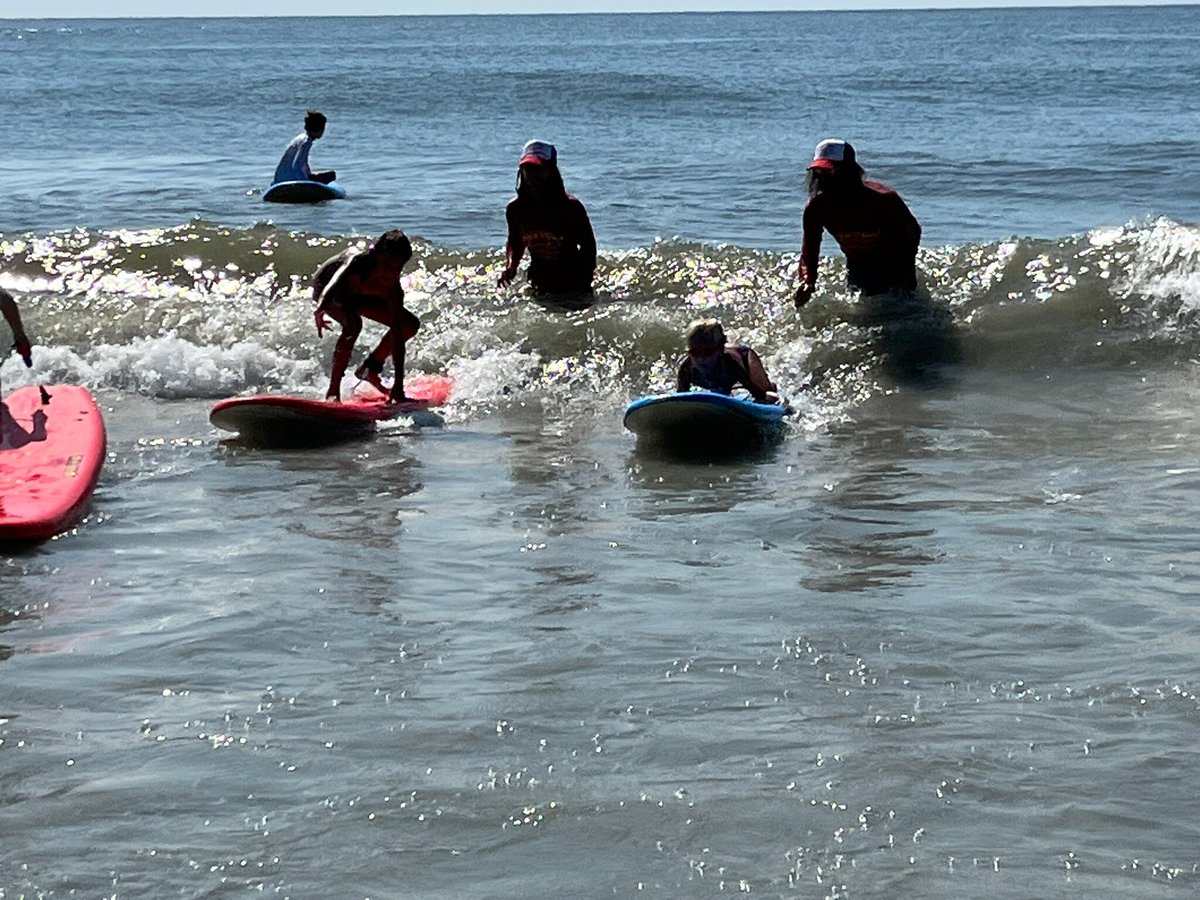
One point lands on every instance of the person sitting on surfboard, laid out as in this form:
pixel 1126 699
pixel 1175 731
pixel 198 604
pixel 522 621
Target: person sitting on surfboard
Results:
pixel 8 307
pixel 873 226
pixel 358 283
pixel 551 223
pixel 294 164
pixel 712 365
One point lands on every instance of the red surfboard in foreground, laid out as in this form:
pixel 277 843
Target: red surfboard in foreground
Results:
pixel 50 460
pixel 289 421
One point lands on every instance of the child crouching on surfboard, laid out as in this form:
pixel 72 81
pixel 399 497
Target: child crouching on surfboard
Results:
pixel 714 366
pixel 358 283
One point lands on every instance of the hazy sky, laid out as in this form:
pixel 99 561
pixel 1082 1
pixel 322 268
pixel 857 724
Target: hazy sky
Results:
pixel 72 9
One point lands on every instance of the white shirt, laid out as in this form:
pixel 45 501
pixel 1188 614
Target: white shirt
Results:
pixel 294 164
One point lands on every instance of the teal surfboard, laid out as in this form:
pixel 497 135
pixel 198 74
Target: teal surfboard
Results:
pixel 698 421
pixel 303 192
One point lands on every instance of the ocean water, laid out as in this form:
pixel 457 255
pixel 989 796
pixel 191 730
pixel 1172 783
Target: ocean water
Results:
pixel 941 641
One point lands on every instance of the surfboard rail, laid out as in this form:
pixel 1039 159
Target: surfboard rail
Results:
pixel 303 192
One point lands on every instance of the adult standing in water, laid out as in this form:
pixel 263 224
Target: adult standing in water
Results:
pixel 873 226
pixel 293 166
pixel 552 224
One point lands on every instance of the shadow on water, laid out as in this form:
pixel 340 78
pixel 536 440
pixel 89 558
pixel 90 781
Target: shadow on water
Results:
pixel 908 338
pixel 913 336
pixel 13 436
pixel 348 492
pixel 572 301
pixel 875 526
pixel 315 438
pixel 878 524
pixel 716 449
pixel 704 484
pixel 7 617
pixel 869 537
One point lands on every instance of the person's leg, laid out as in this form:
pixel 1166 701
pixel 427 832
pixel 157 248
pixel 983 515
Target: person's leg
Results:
pixel 371 371
pixel 378 356
pixel 372 365
pixel 388 345
pixel 397 338
pixel 351 323
pixel 397 393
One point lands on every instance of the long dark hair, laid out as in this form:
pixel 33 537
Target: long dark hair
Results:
pixel 556 191
pixel 832 181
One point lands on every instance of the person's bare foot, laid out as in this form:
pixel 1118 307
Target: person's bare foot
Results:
pixel 366 373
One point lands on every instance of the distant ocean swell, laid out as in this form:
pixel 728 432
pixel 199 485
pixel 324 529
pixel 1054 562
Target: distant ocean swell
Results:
pixel 204 311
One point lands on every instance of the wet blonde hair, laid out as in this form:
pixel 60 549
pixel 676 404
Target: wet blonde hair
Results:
pixel 705 334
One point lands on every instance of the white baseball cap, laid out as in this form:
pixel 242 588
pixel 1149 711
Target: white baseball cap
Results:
pixel 831 153
pixel 539 153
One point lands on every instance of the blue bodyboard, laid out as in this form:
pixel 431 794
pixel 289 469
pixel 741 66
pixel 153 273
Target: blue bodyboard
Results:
pixel 698 421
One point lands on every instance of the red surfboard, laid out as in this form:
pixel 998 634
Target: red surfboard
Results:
pixel 281 420
pixel 50 460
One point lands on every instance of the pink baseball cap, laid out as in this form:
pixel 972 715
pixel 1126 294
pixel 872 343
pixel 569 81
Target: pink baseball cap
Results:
pixel 539 153
pixel 831 153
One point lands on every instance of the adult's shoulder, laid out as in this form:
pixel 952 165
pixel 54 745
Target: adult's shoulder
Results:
pixel 880 188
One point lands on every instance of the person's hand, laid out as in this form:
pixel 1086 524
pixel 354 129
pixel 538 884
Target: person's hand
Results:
pixel 509 273
pixel 23 348
pixel 803 295
pixel 321 320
